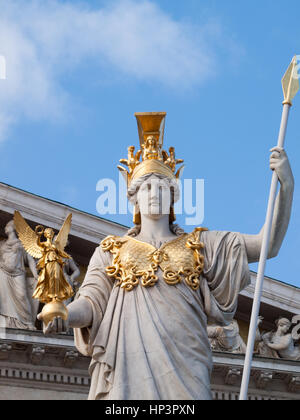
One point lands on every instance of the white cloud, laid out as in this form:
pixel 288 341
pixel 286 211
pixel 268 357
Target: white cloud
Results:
pixel 44 39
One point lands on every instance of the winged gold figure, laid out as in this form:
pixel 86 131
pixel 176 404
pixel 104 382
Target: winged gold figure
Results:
pixel 52 285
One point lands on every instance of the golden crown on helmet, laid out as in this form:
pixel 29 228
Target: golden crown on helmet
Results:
pixel 151 158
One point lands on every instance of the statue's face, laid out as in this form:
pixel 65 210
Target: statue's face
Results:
pixel 49 233
pixel 154 197
pixel 284 326
pixel 151 141
pixel 9 228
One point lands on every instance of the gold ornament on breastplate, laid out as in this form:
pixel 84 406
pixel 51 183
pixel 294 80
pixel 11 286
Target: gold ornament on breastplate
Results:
pixel 137 262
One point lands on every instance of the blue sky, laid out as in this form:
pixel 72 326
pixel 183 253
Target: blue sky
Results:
pixel 77 72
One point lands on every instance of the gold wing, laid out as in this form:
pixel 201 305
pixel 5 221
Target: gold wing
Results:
pixel 27 236
pixel 62 237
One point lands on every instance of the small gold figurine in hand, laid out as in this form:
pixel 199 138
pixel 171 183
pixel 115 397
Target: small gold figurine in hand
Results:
pixel 52 287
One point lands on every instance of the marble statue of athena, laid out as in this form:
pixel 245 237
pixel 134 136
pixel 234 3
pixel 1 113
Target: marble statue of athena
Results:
pixel 141 313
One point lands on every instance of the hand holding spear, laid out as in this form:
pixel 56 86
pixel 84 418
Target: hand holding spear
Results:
pixel 290 84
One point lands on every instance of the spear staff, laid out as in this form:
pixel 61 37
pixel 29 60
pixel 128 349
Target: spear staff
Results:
pixel 290 85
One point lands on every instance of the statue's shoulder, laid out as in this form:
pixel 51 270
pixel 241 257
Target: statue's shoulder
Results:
pixel 197 233
pixel 199 230
pixel 112 241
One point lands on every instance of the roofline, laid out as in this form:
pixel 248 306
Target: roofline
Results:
pixel 275 292
pixel 52 213
pixel 63 204
pixel 274 279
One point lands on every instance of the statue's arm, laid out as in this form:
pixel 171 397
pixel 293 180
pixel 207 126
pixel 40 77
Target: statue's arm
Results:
pixel 282 211
pixel 282 345
pixel 80 315
pixel 39 242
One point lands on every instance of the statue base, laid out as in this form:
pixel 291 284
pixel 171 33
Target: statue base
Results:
pixel 53 310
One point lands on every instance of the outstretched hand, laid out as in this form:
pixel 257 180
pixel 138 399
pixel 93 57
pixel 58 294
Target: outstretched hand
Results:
pixel 57 326
pixel 279 163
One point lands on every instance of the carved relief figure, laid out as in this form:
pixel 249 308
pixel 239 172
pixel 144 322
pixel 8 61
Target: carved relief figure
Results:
pixel 151 149
pixel 258 335
pixel 141 313
pixel 15 292
pixel 279 344
pixel 132 160
pixel 170 159
pixel 226 338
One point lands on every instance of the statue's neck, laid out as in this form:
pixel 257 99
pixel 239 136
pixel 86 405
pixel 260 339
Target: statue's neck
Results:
pixel 12 237
pixel 155 229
